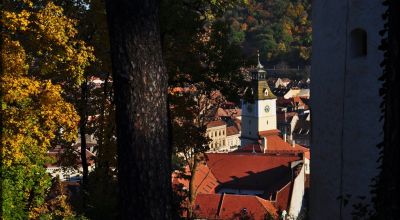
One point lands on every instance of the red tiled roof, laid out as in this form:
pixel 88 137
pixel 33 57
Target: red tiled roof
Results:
pixel 251 171
pixel 282 201
pixel 268 133
pixel 232 130
pixel 233 113
pixel 207 205
pixel 215 123
pixel 227 206
pixel 275 144
pixel 204 181
pixel 221 112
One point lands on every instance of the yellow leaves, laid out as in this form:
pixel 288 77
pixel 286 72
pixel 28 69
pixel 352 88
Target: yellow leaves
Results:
pixel 282 47
pixel 52 49
pixel 35 112
pixel 16 89
pixel 305 52
pixel 13 57
pixel 53 25
pixel 16 21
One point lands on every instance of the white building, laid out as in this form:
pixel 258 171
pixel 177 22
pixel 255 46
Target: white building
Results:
pixel 296 92
pixel 282 82
pixel 258 108
pixel 232 138
pixel 346 129
pixel 216 131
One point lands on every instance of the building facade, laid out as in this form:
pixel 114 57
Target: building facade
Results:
pixel 216 131
pixel 258 108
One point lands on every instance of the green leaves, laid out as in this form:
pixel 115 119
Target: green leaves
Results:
pixel 280 29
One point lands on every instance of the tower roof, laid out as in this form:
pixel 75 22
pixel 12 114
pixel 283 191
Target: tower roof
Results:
pixel 259 88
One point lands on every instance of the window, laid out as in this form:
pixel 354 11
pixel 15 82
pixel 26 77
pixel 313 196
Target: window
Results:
pixel 358 42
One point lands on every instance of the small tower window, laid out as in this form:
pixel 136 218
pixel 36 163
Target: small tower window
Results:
pixel 265 91
pixel 358 42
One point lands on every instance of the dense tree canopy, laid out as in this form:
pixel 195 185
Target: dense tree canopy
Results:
pixel 280 29
pixel 40 56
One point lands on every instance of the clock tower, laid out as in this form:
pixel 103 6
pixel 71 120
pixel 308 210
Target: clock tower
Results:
pixel 258 107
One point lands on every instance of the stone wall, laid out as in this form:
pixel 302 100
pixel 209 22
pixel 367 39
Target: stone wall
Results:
pixel 345 102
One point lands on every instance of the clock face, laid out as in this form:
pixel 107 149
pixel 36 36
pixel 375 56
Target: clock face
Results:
pixel 266 109
pixel 249 108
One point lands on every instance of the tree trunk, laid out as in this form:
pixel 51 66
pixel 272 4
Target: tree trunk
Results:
pixel 140 85
pixel 192 188
pixel 82 130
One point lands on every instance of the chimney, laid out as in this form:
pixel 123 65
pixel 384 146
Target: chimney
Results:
pixel 284 137
pixel 293 143
pixel 265 145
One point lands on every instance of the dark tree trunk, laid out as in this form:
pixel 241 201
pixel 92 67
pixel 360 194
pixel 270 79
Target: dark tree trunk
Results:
pixel 140 86
pixel 82 131
pixel 101 162
pixel 388 188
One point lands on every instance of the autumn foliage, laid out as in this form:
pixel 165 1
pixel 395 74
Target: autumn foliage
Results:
pixel 40 56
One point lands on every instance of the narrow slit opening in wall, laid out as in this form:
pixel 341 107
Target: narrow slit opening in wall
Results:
pixel 358 43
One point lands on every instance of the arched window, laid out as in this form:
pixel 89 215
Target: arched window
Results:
pixel 358 43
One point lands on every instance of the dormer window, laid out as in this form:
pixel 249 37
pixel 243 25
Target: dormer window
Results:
pixel 266 92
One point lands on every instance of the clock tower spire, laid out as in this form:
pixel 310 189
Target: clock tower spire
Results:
pixel 258 107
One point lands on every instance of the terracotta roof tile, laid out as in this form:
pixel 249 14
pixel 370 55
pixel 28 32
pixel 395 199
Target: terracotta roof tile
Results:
pixel 232 130
pixel 204 181
pixel 227 206
pixel 207 205
pixel 282 201
pixel 215 123
pixel 275 144
pixel 269 133
pixel 267 173
pixel 235 205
